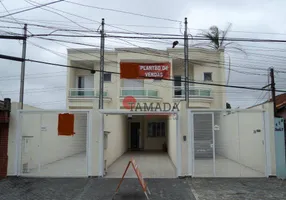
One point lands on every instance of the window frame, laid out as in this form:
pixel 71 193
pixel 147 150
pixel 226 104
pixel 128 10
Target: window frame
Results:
pixel 107 73
pixel 155 131
pixel 211 74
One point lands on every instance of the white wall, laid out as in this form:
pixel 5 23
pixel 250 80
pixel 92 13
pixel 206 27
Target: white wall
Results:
pixel 218 93
pixel 268 107
pixel 238 141
pixel 184 132
pixel 117 138
pixel 12 136
pixel 43 146
pixel 172 140
pixel 164 87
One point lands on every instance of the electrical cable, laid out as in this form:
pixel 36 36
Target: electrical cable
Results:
pixel 28 9
pixel 121 11
pixel 29 1
pixel 200 83
pixel 206 60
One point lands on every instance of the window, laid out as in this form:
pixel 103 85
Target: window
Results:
pixel 178 81
pixel 80 82
pixel 107 77
pixel 178 85
pixel 85 82
pixel 208 76
pixel 156 129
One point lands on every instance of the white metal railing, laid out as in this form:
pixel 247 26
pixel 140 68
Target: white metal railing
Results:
pixel 85 92
pixel 194 92
pixel 138 92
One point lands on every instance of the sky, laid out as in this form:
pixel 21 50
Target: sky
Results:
pixel 45 86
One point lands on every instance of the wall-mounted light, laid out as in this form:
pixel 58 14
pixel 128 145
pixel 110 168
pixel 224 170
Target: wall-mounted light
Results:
pixel 129 117
pixel 257 131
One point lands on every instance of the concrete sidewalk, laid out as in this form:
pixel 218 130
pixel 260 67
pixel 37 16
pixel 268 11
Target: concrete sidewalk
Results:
pixel 238 188
pixel 92 189
pixel 167 189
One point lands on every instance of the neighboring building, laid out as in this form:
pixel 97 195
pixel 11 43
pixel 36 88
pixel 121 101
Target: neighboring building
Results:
pixel 206 66
pixel 281 105
pixel 281 112
pixel 5 109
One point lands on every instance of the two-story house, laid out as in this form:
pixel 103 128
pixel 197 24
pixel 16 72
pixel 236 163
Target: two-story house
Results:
pixel 144 132
pixel 205 66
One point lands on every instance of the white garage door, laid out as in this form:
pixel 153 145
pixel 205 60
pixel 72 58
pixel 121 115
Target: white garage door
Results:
pixel 46 153
pixel 228 144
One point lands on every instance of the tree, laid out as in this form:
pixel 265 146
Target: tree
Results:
pixel 218 42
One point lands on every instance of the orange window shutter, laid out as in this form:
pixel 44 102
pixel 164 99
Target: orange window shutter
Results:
pixel 66 124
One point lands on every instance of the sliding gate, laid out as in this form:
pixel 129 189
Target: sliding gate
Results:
pixel 44 151
pixel 228 144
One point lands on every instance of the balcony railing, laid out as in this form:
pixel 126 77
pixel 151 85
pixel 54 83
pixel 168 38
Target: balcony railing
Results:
pixel 139 92
pixel 194 92
pixel 85 93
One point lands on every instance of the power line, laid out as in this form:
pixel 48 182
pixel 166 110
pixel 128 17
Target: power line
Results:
pixel 194 37
pixel 8 11
pixel 205 59
pixel 92 70
pixel 117 63
pixel 29 1
pixel 160 38
pixel 61 23
pixel 17 9
pixel 28 9
pixel 121 11
pixel 237 71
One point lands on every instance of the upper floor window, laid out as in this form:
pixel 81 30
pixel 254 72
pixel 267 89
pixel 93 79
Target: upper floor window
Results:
pixel 107 77
pixel 208 76
pixel 179 80
pixel 85 82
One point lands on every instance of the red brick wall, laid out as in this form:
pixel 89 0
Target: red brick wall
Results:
pixel 4 129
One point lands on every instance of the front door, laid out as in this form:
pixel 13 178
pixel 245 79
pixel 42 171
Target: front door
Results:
pixel 135 134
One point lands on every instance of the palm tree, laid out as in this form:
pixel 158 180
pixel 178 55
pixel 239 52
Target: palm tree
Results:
pixel 218 42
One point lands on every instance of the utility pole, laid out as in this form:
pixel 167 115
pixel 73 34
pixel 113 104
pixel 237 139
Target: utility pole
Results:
pixel 273 91
pixel 186 48
pixel 101 80
pixel 269 84
pixel 24 48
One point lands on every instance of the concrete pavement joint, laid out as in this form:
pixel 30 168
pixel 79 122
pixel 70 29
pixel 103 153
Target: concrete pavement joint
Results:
pixel 85 188
pixel 192 189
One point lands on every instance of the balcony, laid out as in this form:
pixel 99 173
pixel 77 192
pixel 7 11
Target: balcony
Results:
pixel 194 92
pixel 139 93
pixel 85 93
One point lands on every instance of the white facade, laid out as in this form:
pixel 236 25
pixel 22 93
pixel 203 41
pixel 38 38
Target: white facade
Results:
pixel 240 148
pixel 102 136
pixel 201 61
pixel 83 95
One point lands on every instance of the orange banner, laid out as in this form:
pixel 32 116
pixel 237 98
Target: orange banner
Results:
pixel 145 70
